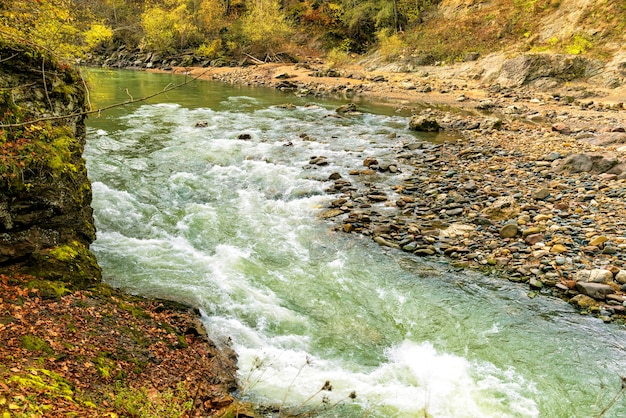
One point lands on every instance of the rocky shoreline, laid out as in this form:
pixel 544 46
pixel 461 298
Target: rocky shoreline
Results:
pixel 533 189
pixel 508 198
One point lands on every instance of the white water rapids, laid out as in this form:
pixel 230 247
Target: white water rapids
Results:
pixel 229 225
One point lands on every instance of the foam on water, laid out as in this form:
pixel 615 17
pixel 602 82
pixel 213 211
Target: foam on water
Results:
pixel 228 224
pixel 414 378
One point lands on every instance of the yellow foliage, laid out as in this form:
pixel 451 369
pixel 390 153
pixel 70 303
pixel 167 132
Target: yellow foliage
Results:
pixel 265 27
pixel 211 15
pixel 390 45
pixel 97 35
pixel 337 57
pixel 166 30
pixel 579 45
pixel 158 27
pixel 211 50
pixel 50 25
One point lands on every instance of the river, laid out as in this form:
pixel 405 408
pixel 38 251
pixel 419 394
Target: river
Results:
pixel 224 217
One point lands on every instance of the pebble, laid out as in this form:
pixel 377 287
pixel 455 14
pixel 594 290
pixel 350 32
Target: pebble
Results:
pixel 598 240
pixel 509 230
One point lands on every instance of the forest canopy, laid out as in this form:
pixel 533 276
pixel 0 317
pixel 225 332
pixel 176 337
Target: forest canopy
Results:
pixel 211 28
pixel 444 30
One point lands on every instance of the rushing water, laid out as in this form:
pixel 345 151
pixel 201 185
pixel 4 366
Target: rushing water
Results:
pixel 229 225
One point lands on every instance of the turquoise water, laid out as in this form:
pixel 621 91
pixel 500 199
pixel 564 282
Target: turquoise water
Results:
pixel 229 225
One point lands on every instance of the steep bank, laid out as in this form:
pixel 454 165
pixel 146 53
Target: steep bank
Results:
pixel 46 222
pixel 70 344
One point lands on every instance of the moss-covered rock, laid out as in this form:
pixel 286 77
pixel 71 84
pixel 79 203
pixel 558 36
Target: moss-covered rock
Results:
pixel 46 221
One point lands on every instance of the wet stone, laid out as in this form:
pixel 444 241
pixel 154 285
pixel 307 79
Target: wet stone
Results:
pixel 596 291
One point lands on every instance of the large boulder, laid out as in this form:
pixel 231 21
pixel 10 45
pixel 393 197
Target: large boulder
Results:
pixel 521 70
pixel 46 222
pixel 589 163
pixel 423 123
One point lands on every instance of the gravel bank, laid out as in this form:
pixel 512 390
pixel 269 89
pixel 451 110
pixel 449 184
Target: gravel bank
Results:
pixel 533 189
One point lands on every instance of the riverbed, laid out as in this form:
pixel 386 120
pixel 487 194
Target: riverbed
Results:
pixel 207 195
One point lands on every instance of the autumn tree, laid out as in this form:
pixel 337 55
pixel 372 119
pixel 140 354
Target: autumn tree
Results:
pixel 48 23
pixel 265 28
pixel 170 26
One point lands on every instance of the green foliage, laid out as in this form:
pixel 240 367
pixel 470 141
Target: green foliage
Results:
pixel 33 343
pixel 144 403
pixel 104 365
pixel 265 28
pixel 579 45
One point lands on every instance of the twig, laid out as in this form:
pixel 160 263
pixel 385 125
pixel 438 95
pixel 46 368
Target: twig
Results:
pixel 130 95
pixel 613 401
pixel 307 362
pixel 90 112
pixel 22 86
pixel 45 83
pixel 327 387
pixel 8 59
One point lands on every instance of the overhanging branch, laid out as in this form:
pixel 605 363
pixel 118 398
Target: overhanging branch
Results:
pixel 101 109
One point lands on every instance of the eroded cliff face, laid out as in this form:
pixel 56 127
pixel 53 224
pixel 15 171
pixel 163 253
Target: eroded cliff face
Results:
pixel 46 222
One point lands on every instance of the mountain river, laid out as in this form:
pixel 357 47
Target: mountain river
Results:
pixel 230 225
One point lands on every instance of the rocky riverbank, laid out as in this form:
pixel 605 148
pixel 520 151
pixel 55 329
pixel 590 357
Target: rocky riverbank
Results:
pixel 532 189
pixel 72 346
pixel 529 202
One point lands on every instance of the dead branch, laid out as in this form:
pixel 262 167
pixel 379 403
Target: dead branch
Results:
pixel 8 59
pixel 45 84
pixel 258 61
pixel 89 112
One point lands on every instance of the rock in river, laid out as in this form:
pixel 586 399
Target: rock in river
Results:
pixel 423 124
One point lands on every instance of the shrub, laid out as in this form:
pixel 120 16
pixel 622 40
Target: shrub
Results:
pixel 337 57
pixel 389 44
pixel 212 50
